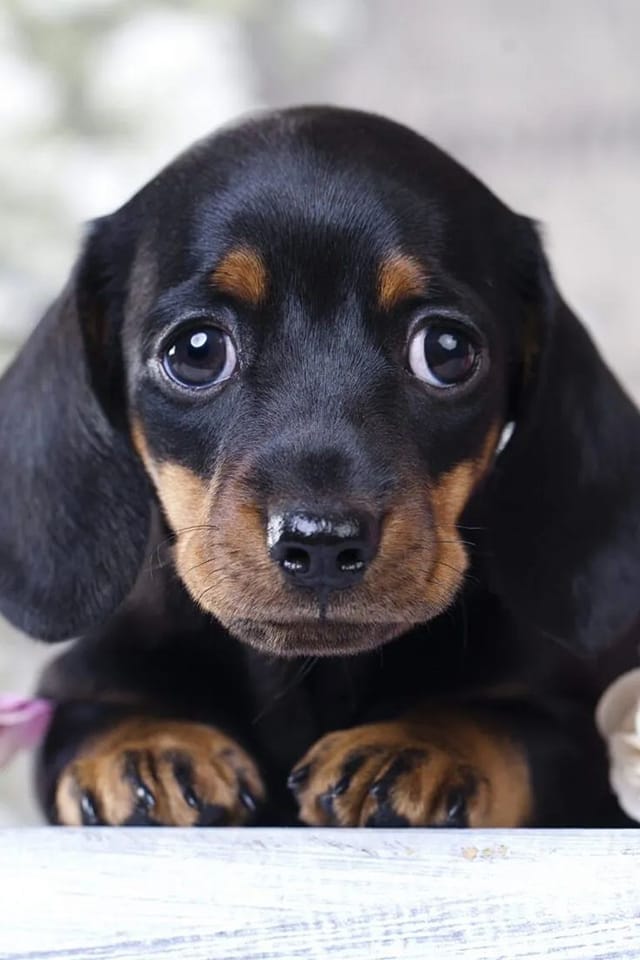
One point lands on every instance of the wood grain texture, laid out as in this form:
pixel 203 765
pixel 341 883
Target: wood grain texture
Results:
pixel 249 894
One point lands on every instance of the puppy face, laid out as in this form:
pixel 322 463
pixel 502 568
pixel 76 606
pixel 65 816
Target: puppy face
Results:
pixel 321 313
pixel 307 334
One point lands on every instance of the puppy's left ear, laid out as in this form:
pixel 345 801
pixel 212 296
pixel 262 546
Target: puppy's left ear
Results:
pixel 74 499
pixel 564 498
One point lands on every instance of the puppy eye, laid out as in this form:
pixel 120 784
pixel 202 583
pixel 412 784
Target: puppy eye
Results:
pixel 442 355
pixel 200 357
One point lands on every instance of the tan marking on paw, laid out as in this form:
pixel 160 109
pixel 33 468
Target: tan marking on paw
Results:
pixel 420 771
pixel 167 772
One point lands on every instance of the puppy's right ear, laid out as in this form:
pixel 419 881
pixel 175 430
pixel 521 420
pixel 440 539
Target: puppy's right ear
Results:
pixel 74 499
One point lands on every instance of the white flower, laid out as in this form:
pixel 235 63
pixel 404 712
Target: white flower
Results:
pixel 618 720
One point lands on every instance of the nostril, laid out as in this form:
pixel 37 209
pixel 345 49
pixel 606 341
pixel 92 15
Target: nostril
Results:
pixel 350 561
pixel 322 552
pixel 296 560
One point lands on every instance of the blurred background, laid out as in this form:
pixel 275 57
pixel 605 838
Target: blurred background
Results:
pixel 541 100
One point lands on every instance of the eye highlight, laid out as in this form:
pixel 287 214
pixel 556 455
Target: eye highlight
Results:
pixel 442 354
pixel 200 356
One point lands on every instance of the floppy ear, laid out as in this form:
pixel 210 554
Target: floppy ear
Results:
pixel 74 500
pixel 564 522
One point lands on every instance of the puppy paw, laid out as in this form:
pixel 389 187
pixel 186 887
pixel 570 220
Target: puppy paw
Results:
pixel 396 775
pixel 155 773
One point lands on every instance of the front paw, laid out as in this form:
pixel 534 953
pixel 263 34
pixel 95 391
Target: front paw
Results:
pixel 154 773
pixel 389 775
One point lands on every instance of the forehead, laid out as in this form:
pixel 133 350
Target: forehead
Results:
pixel 307 214
pixel 323 200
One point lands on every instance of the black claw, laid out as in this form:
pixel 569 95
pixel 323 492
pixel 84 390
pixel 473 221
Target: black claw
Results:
pixel 191 798
pixel 325 802
pixel 341 786
pixel 403 763
pixel 379 790
pixel 456 806
pixel 183 775
pixel 351 766
pixel 349 770
pixel 89 810
pixel 298 777
pixel 145 801
pixel 246 797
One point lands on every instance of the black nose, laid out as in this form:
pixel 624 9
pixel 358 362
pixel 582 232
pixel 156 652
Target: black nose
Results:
pixel 323 552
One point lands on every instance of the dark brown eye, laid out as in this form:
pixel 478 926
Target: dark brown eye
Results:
pixel 442 355
pixel 200 357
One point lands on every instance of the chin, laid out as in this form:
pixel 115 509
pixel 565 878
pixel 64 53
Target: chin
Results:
pixel 327 639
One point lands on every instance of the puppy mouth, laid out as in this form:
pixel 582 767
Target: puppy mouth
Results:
pixel 314 638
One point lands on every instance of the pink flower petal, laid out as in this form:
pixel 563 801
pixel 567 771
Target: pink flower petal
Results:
pixel 23 723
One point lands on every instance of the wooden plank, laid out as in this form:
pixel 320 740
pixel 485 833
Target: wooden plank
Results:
pixel 255 894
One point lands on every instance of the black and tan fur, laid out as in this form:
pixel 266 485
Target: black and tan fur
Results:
pixel 455 683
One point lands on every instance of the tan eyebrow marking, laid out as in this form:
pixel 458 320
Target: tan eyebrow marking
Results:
pixel 241 273
pixel 400 277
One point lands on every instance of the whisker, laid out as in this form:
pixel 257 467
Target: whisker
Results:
pixel 207 590
pixel 196 526
pixel 196 566
pixel 466 543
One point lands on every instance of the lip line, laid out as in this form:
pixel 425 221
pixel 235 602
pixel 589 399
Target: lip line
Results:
pixel 317 623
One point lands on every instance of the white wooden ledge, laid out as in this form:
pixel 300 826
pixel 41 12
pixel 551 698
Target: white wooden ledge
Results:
pixel 282 894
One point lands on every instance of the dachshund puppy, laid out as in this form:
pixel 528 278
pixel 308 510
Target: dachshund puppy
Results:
pixel 335 490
